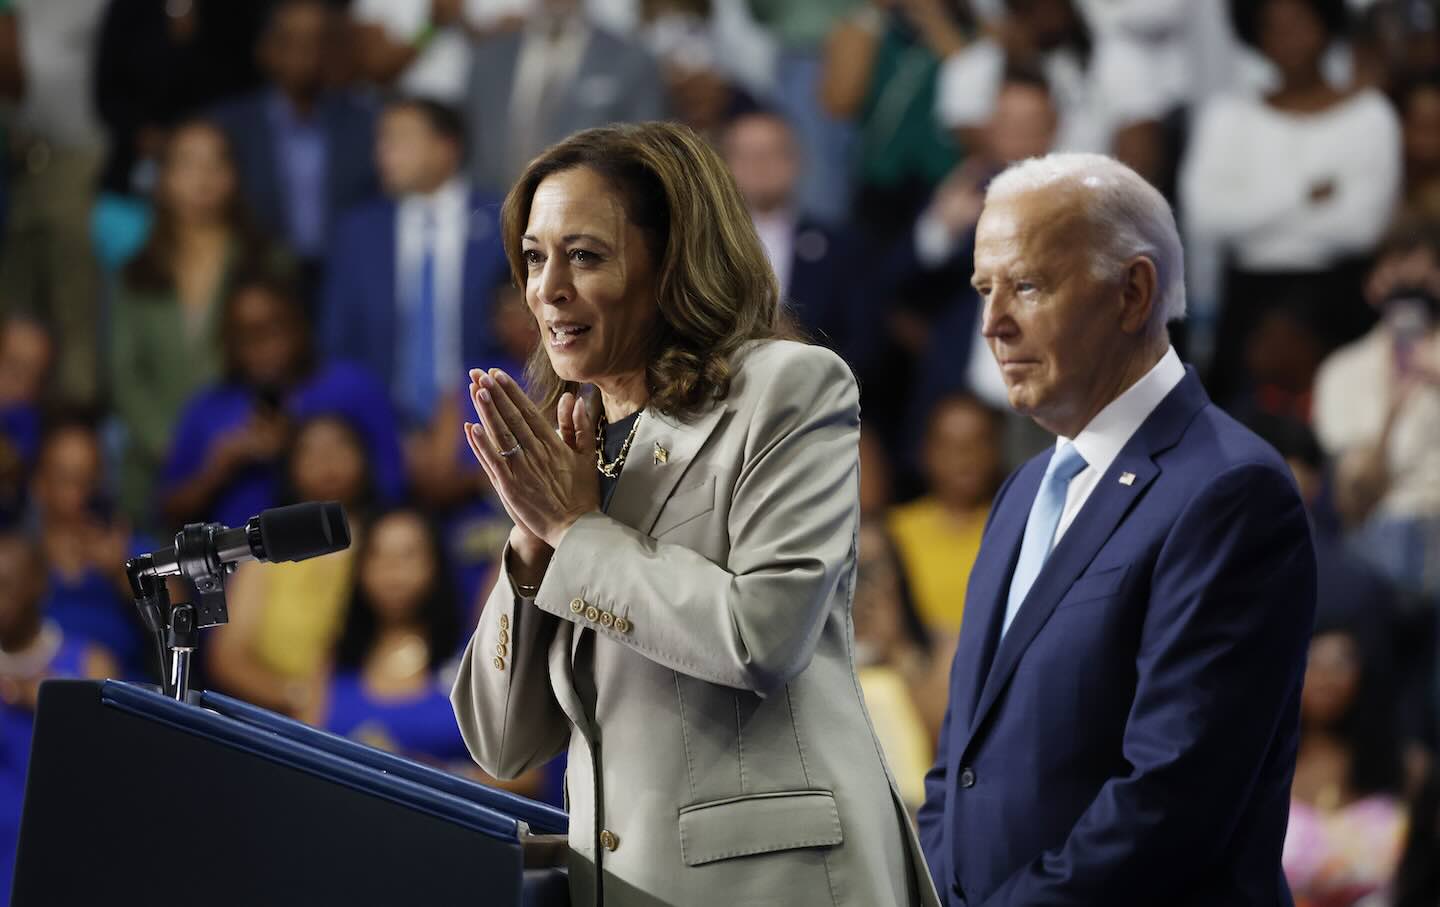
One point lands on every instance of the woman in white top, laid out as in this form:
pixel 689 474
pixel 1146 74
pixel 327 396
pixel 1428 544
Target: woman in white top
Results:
pixel 1297 186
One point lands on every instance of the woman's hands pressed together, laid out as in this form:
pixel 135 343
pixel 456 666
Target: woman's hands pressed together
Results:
pixel 545 477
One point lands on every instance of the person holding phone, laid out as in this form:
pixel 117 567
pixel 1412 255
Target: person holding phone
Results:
pixel 1377 413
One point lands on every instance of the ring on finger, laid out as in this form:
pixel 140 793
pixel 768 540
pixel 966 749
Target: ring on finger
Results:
pixel 511 452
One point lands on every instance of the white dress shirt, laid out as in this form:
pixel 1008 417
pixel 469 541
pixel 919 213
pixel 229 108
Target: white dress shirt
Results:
pixel 450 208
pixel 1101 441
pixel 777 235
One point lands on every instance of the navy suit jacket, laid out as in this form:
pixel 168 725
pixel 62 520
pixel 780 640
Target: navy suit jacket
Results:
pixel 360 305
pixel 827 292
pixel 1132 739
pixel 349 128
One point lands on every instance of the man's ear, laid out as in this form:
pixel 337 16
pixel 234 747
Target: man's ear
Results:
pixel 1139 295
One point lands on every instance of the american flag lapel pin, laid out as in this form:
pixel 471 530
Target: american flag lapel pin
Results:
pixel 1127 478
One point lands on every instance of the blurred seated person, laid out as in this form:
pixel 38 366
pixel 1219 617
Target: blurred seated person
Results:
pixel 285 618
pixel 892 656
pixel 224 463
pixel 165 315
pixel 410 276
pixel 1377 414
pixel 1418 101
pixel 302 149
pixel 1296 187
pixel 401 629
pixel 1347 813
pixel 880 71
pixel 1104 89
pixel 703 83
pixel 1282 356
pixel 820 266
pixel 33 648
pixel 943 336
pixel 26 353
pixel 560 73
pixel 85 545
pixel 938 535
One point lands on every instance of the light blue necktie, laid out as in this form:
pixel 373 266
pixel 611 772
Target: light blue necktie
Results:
pixel 420 351
pixel 1040 528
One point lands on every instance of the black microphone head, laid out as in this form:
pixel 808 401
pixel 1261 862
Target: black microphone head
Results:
pixel 303 531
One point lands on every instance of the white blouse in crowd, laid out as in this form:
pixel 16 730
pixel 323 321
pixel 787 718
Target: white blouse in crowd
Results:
pixel 1352 399
pixel 1247 179
pixel 1117 89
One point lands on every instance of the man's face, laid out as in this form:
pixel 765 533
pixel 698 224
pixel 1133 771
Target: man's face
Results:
pixel 1054 328
pixel 410 155
pixel 761 153
pixel 1023 124
pixel 293 51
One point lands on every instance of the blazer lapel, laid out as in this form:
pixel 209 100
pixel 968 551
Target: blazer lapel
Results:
pixel 562 680
pixel 1098 518
pixel 648 478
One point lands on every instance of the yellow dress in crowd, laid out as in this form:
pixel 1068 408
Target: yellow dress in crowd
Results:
pixel 937 552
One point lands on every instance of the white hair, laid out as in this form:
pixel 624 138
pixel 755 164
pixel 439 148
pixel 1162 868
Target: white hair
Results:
pixel 1132 219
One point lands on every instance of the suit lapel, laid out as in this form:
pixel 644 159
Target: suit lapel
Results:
pixel 985 597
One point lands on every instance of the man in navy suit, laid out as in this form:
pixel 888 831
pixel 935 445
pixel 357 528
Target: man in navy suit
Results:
pixel 819 265
pixel 302 150
pixel 411 275
pixel 1124 701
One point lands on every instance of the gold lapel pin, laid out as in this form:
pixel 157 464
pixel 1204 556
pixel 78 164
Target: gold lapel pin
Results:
pixel 661 454
pixel 1127 478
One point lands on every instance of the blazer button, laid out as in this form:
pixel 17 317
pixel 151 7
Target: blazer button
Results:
pixel 622 625
pixel 503 638
pixel 608 840
pixel 504 622
pixel 607 619
pixel 967 778
pixel 592 614
pixel 499 663
pixel 576 605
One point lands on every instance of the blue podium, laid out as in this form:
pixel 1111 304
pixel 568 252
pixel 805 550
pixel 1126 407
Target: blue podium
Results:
pixel 135 798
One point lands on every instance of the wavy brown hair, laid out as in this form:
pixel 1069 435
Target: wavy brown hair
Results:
pixel 714 285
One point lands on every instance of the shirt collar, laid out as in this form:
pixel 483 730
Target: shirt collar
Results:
pixel 1101 441
pixel 452 194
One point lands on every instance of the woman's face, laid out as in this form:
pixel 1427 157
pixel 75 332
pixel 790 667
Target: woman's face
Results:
pixel 268 340
pixel 399 567
pixel 590 278
pixel 1332 676
pixel 198 179
pixel 1292 35
pixel 328 463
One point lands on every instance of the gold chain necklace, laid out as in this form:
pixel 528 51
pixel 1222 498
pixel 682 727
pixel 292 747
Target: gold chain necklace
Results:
pixel 612 469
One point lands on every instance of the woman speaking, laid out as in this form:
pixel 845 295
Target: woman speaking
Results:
pixel 675 604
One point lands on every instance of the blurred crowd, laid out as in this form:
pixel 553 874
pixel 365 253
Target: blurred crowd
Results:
pixel 249 250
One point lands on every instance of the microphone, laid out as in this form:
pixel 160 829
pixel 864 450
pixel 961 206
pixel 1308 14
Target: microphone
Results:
pixel 281 534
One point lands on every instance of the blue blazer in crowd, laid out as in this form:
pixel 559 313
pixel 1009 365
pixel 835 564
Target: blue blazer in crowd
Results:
pixel 360 304
pixel 1132 739
pixel 349 126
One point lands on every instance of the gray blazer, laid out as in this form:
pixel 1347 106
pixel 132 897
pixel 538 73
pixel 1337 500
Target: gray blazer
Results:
pixel 616 81
pixel 694 649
